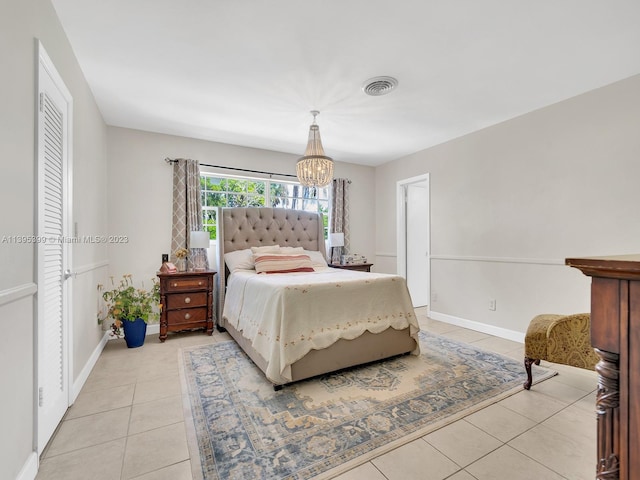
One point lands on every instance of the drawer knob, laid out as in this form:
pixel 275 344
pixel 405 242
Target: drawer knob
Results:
pixel 200 284
pixel 187 300
pixel 174 284
pixel 187 316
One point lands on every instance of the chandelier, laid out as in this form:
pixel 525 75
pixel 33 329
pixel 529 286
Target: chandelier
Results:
pixel 314 169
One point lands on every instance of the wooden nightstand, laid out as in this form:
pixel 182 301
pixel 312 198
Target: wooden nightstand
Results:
pixel 187 302
pixel 361 267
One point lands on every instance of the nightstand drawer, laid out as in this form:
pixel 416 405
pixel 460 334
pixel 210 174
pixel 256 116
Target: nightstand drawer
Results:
pixel 184 300
pixel 187 283
pixel 187 315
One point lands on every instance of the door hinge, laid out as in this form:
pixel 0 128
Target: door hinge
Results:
pixel 40 397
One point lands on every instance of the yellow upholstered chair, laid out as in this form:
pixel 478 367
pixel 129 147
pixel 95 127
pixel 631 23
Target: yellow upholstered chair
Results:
pixel 564 339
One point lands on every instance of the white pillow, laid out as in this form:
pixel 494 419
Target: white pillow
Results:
pixel 239 260
pixel 317 258
pixel 291 250
pixel 266 249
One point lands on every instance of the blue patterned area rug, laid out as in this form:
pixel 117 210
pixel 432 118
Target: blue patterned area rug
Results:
pixel 240 428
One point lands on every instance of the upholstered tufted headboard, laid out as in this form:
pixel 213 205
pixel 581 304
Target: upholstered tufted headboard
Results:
pixel 239 228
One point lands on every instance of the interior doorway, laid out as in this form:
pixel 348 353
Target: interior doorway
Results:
pixel 413 237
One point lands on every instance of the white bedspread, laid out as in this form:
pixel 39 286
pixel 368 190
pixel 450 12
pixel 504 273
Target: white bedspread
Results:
pixel 287 315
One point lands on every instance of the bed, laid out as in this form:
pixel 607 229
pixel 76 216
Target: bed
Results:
pixel 313 319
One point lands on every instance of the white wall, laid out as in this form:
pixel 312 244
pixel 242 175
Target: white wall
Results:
pixel 21 22
pixel 509 203
pixel 140 189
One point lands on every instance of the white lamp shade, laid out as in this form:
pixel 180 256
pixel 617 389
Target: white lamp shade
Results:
pixel 336 239
pixel 199 239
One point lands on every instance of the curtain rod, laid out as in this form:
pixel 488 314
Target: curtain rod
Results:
pixel 171 161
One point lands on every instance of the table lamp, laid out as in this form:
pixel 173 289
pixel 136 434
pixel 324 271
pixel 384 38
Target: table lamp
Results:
pixel 199 239
pixel 336 242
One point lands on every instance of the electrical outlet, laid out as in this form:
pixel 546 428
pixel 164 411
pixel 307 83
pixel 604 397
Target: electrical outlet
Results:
pixel 492 304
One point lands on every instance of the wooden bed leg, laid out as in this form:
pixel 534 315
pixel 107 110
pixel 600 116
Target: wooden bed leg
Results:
pixel 220 329
pixel 277 388
pixel 527 366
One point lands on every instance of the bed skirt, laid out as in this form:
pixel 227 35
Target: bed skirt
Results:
pixel 368 347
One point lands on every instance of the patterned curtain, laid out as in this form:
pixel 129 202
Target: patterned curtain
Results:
pixel 187 207
pixel 339 220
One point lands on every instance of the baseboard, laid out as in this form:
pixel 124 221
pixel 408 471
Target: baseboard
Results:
pixel 153 329
pixel 86 370
pixel 480 327
pixel 30 468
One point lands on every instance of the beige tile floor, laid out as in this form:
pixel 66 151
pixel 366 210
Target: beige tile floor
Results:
pixel 127 423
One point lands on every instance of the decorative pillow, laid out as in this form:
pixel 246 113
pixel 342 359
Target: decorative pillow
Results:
pixel 317 258
pixel 282 263
pixel 239 260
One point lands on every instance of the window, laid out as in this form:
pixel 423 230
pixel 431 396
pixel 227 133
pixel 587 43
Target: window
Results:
pixel 223 191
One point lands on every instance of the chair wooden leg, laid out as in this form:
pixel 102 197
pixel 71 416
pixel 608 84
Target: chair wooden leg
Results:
pixel 527 366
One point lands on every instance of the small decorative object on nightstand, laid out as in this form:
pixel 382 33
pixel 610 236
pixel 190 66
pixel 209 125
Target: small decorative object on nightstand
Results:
pixel 181 259
pixel 362 267
pixel 187 302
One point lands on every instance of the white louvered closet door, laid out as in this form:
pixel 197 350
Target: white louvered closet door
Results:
pixel 52 250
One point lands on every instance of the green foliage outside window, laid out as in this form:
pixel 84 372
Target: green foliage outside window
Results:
pixel 242 192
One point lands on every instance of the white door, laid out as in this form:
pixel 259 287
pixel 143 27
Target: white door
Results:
pixel 54 118
pixel 413 237
pixel 417 228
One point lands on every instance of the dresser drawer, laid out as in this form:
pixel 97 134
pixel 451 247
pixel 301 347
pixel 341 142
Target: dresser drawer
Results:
pixel 187 315
pixel 185 300
pixel 183 283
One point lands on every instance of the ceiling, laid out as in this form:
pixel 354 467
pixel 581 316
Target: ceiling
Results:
pixel 247 72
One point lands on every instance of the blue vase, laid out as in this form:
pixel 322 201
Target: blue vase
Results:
pixel 134 332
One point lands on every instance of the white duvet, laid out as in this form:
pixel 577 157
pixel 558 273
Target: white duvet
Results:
pixel 287 315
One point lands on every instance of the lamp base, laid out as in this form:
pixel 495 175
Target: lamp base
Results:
pixel 336 254
pixel 199 262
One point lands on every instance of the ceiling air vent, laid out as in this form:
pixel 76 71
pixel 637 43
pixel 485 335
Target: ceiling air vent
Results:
pixel 377 86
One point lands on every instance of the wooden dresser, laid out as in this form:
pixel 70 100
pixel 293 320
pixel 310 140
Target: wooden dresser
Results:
pixel 615 335
pixel 187 302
